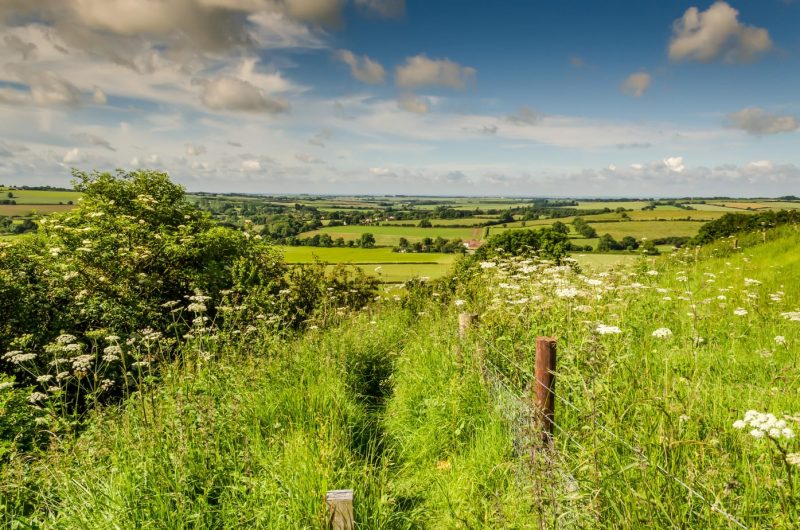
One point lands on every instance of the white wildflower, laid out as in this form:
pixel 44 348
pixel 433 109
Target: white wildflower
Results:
pixel 740 311
pixel 780 339
pixel 607 330
pixel 459 303
pixel 44 378
pixel 36 397
pixel 567 292
pixel 662 333
pixel 739 424
pixel 757 433
pixel 6 384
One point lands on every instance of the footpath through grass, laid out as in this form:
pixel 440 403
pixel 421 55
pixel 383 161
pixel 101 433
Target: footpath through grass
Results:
pixel 657 362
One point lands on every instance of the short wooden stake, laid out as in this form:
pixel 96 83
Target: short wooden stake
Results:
pixel 340 509
pixel 465 321
pixel 736 243
pixel 545 384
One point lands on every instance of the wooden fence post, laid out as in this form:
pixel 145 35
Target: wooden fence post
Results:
pixel 736 243
pixel 340 509
pixel 465 321
pixel 545 384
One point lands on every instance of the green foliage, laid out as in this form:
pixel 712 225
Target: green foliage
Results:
pixel 546 243
pixel 733 223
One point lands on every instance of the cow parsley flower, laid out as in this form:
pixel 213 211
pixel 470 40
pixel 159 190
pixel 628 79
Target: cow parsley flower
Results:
pixel 662 333
pixel 780 339
pixel 740 311
pixel 607 330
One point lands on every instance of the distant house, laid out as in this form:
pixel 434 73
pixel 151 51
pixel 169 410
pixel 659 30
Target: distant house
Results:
pixel 472 244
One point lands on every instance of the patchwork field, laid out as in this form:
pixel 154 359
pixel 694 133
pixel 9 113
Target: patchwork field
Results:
pixel 390 235
pixel 390 267
pixel 40 196
pixel 23 210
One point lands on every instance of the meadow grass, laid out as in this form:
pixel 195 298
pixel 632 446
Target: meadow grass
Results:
pixel 32 209
pixel 433 431
pixel 390 235
pixel 41 196
pixel 359 255
pixel 637 229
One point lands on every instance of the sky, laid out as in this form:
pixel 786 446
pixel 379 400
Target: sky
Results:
pixel 645 98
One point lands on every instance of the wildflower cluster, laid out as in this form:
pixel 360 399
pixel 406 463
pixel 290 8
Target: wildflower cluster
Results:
pixel 764 425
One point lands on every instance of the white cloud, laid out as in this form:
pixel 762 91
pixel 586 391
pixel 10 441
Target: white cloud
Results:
pixel 249 165
pixel 320 138
pixel 756 121
pixel 15 44
pixel 636 84
pixel 674 164
pixel 363 68
pixel 46 88
pixel 411 103
pixel 323 12
pixel 525 116
pixel 73 156
pixel 231 93
pixel 307 159
pixel 195 150
pixel 716 32
pixel 383 8
pixel 10 96
pixel 421 71
pixel 99 97
pixel 94 140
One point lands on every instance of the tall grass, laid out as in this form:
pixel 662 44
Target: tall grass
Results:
pixel 433 431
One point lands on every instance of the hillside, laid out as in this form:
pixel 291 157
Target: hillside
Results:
pixel 656 364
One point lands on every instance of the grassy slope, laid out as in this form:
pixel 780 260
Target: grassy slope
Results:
pixel 256 438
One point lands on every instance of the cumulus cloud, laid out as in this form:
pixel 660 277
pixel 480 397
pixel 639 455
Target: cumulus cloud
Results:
pixel 231 93
pixel 674 164
pixel 383 8
pixel 320 138
pixel 99 97
pixel 411 103
pixel 195 150
pixel 73 156
pixel 634 145
pixel 26 50
pixel 322 12
pixel 421 71
pixel 525 116
pixel 363 68
pixel 10 96
pixel 250 165
pixel 46 88
pixel 93 140
pixel 758 122
pixel 307 159
pixel 637 84
pixel 716 32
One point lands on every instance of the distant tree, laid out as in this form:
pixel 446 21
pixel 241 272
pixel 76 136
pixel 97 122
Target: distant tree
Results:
pixel 560 227
pixel 649 247
pixel 425 223
pixel 403 243
pixel 367 240
pixel 506 217
pixel 10 195
pixel 629 243
pixel 607 243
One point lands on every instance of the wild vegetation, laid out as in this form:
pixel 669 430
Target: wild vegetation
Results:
pixel 213 385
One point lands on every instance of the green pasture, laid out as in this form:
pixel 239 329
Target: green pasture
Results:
pixel 359 255
pixel 390 235
pixel 40 196
pixel 24 210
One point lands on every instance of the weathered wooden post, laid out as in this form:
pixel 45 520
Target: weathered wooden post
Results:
pixel 465 321
pixel 340 509
pixel 735 243
pixel 545 374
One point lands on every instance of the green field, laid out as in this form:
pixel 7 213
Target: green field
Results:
pixel 440 222
pixel 24 210
pixel 613 205
pixel 390 235
pixel 40 196
pixel 392 267
pixel 637 229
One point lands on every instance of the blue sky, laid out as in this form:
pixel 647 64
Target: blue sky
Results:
pixel 644 98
